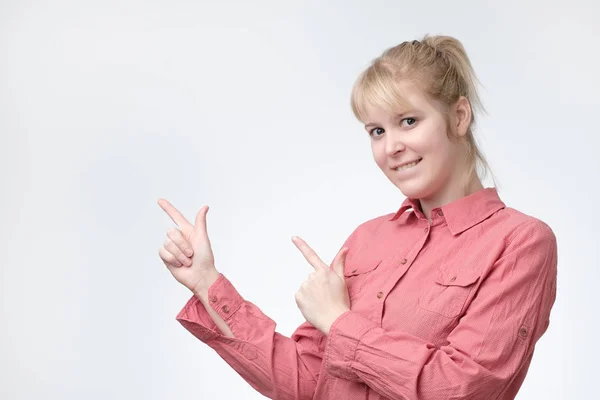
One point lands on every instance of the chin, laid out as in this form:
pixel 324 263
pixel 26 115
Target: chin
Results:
pixel 415 189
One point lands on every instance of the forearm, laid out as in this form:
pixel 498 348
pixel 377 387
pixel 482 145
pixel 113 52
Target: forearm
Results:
pixel 277 366
pixel 201 293
pixel 398 365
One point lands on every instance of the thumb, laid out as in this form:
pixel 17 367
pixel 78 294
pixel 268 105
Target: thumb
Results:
pixel 339 262
pixel 200 223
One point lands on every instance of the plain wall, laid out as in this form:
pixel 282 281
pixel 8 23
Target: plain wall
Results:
pixel 105 106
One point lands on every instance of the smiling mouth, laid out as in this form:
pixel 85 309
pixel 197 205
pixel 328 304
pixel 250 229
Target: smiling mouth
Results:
pixel 407 166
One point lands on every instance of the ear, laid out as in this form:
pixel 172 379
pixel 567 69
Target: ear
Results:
pixel 463 116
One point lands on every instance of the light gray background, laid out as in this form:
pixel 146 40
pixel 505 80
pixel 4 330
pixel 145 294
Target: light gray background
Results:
pixel 105 106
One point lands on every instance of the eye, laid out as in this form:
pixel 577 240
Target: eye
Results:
pixel 412 121
pixel 374 131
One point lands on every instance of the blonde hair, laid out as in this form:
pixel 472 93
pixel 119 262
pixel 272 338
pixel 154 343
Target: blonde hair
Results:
pixel 439 66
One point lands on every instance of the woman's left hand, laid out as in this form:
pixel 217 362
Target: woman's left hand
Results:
pixel 323 297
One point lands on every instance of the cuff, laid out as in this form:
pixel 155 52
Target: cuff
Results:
pixel 343 340
pixel 223 298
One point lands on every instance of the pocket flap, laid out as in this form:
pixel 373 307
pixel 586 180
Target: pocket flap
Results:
pixel 357 268
pixel 463 277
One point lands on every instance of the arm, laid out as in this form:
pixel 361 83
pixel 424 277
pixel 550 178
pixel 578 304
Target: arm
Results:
pixel 492 342
pixel 201 294
pixel 276 366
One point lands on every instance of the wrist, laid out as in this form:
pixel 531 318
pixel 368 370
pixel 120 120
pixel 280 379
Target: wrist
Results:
pixel 200 290
pixel 334 317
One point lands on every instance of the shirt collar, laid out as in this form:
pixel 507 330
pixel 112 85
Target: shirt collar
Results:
pixel 463 213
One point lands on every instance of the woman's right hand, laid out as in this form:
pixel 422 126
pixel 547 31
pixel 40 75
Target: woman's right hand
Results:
pixel 187 252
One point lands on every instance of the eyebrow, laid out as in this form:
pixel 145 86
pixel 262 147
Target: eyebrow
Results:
pixel 399 115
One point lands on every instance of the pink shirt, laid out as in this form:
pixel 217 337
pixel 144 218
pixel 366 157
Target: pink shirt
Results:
pixel 447 309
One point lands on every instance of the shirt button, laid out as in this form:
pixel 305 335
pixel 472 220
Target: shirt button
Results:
pixel 225 308
pixel 213 299
pixel 523 332
pixel 440 213
pixel 354 270
pixel 404 261
pixel 426 229
pixel 452 279
pixel 379 295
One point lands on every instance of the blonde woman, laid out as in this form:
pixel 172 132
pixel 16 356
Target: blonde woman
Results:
pixel 444 298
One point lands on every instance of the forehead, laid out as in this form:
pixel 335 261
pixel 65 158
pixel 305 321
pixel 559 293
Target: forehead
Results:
pixel 415 99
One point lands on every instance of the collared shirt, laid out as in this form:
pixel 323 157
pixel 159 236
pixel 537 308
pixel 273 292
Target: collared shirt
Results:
pixel 444 309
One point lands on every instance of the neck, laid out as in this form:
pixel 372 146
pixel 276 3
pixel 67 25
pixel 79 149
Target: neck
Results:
pixel 450 194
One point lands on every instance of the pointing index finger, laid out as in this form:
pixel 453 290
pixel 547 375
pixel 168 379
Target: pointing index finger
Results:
pixel 308 253
pixel 172 212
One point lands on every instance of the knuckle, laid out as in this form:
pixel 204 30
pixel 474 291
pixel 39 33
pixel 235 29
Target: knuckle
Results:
pixel 168 255
pixel 181 243
pixel 165 256
pixel 170 246
pixel 172 231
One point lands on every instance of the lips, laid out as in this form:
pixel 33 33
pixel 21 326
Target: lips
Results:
pixel 400 166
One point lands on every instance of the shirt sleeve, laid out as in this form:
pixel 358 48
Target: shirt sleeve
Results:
pixel 492 342
pixel 278 367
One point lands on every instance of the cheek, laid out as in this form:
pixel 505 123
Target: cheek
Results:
pixel 436 144
pixel 443 161
pixel 378 155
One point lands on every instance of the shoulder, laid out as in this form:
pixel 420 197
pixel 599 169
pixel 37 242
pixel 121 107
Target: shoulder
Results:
pixel 529 244
pixel 516 225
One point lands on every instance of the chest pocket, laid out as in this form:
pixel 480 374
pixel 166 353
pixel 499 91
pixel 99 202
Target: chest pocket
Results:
pixel 357 273
pixel 449 291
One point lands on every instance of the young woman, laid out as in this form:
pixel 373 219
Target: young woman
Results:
pixel 443 299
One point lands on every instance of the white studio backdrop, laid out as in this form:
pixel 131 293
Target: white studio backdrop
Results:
pixel 105 106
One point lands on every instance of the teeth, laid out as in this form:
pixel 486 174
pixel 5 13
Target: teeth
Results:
pixel 412 164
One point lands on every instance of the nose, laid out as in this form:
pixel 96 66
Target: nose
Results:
pixel 393 145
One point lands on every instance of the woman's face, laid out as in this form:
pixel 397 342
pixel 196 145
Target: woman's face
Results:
pixel 413 149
